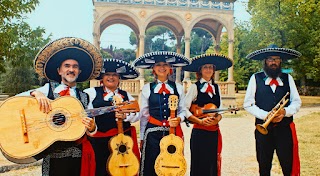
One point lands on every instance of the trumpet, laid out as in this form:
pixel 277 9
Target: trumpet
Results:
pixel 262 128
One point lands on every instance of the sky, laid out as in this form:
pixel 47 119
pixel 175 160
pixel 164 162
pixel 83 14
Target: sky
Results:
pixel 74 18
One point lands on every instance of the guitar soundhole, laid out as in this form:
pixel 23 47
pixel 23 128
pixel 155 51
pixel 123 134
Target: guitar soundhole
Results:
pixel 59 119
pixel 171 149
pixel 122 148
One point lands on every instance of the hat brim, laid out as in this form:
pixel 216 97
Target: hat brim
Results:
pixel 50 58
pixel 149 59
pixel 283 53
pixel 220 62
pixel 124 69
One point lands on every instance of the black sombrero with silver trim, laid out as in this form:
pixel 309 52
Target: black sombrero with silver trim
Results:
pixel 54 53
pixel 124 69
pixel 273 50
pixel 220 62
pixel 149 59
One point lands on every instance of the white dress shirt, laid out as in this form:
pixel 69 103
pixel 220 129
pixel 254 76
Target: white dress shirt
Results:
pixel 249 100
pixel 192 94
pixel 144 106
pixel 131 117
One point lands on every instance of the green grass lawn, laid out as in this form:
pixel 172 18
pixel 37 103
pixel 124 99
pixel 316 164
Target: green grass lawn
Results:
pixel 308 132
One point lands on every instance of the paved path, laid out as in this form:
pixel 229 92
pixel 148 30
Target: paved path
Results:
pixel 238 154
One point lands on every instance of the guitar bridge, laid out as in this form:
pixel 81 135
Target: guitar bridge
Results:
pixel 173 167
pixel 24 126
pixel 124 165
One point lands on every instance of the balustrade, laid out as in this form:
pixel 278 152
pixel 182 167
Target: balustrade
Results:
pixel 206 4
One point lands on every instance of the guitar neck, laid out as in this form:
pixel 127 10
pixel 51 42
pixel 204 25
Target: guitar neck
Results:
pixel 120 126
pixel 99 111
pixel 172 130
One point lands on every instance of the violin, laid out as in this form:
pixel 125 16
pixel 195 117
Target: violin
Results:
pixel 201 112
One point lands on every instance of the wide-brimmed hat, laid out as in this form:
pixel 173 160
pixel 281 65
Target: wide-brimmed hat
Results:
pixel 149 59
pixel 54 53
pixel 124 69
pixel 220 62
pixel 273 50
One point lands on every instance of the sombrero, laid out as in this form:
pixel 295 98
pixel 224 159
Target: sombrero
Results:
pixel 124 69
pixel 273 50
pixel 54 53
pixel 221 62
pixel 149 59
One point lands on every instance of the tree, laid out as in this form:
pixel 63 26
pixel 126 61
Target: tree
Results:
pixel 155 40
pixel 18 45
pixel 292 24
pixel 11 16
pixel 20 75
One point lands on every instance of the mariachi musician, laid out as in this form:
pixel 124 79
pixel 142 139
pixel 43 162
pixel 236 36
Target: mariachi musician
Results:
pixel 155 113
pixel 113 71
pixel 265 90
pixel 206 141
pixel 65 62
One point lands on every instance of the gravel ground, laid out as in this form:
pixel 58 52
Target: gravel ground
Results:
pixel 238 151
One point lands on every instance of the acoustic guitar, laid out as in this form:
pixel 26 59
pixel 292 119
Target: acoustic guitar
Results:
pixel 122 161
pixel 26 131
pixel 170 161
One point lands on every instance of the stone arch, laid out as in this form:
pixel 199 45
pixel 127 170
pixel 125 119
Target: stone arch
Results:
pixel 118 18
pixel 175 26
pixel 159 14
pixel 212 17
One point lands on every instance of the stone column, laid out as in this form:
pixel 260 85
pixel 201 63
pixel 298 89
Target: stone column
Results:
pixel 137 49
pixel 230 55
pixel 186 79
pixel 217 50
pixel 141 52
pixel 178 69
pixel 96 43
pixel 187 54
pixel 96 40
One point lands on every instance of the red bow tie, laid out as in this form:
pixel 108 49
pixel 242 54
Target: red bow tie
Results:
pixel 274 81
pixel 209 89
pixel 163 89
pixel 65 92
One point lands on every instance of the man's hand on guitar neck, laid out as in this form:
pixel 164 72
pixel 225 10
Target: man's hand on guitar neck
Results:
pixel 120 115
pixel 89 123
pixel 44 102
pixel 174 122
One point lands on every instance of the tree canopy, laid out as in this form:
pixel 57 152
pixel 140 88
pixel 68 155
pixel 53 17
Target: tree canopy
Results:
pixel 18 45
pixel 291 24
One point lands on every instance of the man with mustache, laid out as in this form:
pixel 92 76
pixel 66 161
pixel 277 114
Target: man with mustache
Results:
pixel 65 62
pixel 265 90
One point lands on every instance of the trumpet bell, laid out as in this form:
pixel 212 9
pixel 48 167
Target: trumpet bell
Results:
pixel 262 129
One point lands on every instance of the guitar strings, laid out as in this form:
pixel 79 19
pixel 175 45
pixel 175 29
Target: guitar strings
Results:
pixel 40 124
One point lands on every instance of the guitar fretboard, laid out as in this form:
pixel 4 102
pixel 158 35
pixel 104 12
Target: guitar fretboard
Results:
pixel 99 111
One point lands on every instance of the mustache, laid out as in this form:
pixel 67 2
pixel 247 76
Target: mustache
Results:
pixel 71 73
